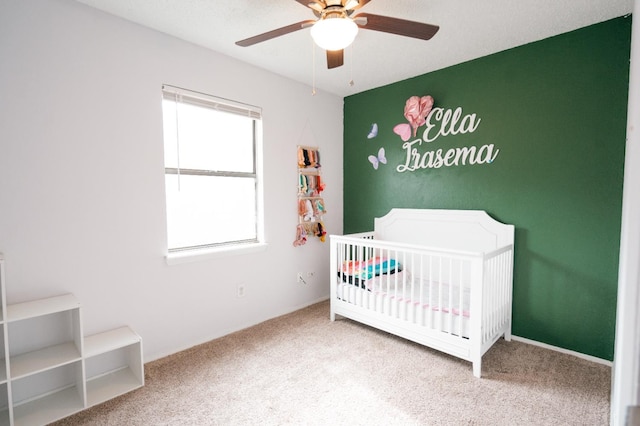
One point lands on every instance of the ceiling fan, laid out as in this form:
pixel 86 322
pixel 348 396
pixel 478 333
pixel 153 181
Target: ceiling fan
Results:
pixel 336 29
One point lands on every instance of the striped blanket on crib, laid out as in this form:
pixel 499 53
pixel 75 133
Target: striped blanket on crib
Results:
pixel 358 271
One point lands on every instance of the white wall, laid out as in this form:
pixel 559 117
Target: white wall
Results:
pixel 625 389
pixel 82 177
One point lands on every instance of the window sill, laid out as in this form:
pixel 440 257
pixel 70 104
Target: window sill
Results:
pixel 197 255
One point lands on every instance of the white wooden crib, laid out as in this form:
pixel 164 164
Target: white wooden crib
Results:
pixel 441 278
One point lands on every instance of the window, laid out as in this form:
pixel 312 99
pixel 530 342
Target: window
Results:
pixel 211 156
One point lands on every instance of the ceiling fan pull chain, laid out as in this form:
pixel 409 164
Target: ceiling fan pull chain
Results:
pixel 351 83
pixel 313 64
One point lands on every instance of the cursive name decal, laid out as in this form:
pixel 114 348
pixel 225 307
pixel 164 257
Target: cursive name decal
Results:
pixel 441 122
pixel 440 158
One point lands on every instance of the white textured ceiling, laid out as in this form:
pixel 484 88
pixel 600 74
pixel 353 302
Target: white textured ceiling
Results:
pixel 468 29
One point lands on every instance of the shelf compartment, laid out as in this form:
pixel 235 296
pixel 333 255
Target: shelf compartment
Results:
pixel 110 385
pixel 113 364
pixel 3 364
pixel 43 342
pixel 48 396
pixel 2 291
pixel 47 409
pixel 44 359
pixel 37 308
pixel 4 405
pixel 99 343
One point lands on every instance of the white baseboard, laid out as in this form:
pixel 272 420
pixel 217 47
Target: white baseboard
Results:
pixel 564 351
pixel 228 331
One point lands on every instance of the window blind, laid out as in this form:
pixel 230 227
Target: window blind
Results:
pixel 208 101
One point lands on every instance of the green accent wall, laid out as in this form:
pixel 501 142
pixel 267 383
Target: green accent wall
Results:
pixel 556 111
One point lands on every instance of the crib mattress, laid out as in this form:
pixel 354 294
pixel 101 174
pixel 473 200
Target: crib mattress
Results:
pixel 427 303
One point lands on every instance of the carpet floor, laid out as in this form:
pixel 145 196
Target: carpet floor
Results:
pixel 302 369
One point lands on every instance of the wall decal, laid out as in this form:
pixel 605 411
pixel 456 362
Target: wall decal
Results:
pixel 373 132
pixel 403 130
pixel 445 122
pixel 416 110
pixel 381 158
pixel 439 122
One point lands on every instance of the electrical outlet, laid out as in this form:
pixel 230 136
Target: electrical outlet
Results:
pixel 240 290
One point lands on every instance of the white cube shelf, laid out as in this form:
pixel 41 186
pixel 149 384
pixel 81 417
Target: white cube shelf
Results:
pixel 49 395
pixel 4 404
pixel 49 370
pixel 113 363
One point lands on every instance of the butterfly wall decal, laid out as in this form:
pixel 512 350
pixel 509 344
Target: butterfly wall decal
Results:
pixel 403 130
pixel 380 158
pixel 373 132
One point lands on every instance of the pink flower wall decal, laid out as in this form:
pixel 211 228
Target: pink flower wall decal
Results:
pixel 416 111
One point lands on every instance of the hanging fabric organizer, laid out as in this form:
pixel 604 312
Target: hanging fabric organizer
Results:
pixel 311 208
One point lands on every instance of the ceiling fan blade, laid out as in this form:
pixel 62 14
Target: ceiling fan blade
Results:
pixel 315 6
pixel 274 33
pixel 335 58
pixel 397 26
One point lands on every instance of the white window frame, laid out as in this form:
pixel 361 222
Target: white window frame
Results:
pixel 203 252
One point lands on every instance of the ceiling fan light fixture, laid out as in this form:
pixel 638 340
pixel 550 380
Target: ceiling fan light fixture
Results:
pixel 334 33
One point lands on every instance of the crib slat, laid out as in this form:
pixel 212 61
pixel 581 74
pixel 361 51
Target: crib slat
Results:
pixel 440 319
pixel 461 298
